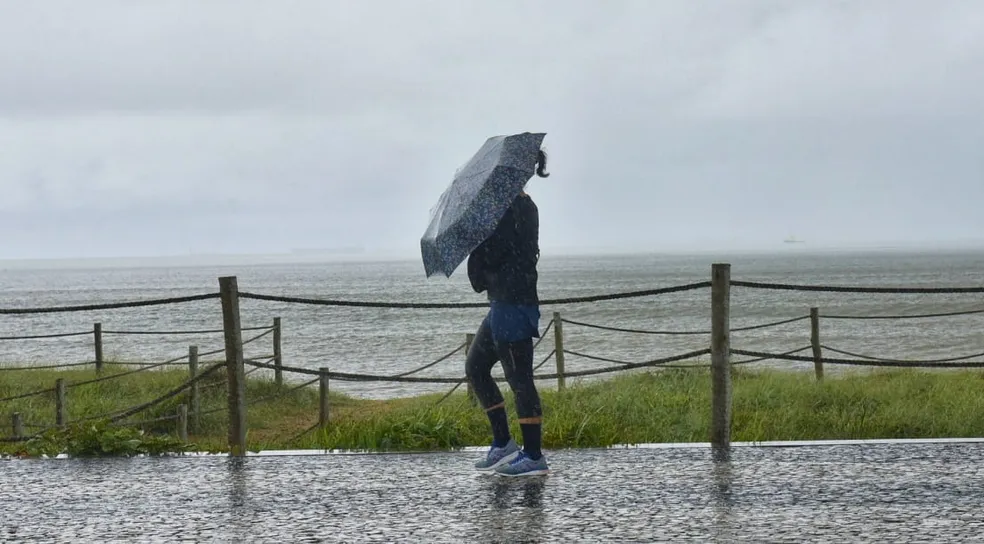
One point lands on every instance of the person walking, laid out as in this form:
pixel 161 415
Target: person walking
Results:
pixel 505 267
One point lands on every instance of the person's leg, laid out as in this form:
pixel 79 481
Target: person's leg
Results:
pixel 517 361
pixel 482 356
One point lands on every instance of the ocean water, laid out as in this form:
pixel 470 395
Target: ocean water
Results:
pixel 389 341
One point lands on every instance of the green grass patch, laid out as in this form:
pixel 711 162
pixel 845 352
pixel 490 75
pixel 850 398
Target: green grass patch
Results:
pixel 671 405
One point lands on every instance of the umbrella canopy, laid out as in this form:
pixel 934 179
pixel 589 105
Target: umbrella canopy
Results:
pixel 479 195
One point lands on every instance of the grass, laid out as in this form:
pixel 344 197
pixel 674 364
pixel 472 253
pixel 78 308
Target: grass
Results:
pixel 672 405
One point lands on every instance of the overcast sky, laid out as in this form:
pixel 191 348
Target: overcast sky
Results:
pixel 155 128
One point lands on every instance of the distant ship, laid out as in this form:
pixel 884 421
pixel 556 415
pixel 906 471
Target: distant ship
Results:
pixel 793 240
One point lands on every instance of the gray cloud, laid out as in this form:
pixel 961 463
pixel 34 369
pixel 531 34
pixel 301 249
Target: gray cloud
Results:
pixel 252 126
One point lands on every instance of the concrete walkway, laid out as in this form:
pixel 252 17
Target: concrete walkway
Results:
pixel 867 492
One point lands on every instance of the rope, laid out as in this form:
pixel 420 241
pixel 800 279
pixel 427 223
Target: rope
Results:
pixel 347 376
pixel 107 306
pixel 446 305
pixel 143 363
pixel 41 336
pixel 916 316
pixel 545 359
pixel 449 393
pixel 614 361
pixel 26 395
pixel 631 331
pixel 767 325
pixel 869 357
pixel 209 411
pixel 148 421
pixel 684 333
pixel 543 335
pixel 597 358
pixel 12 439
pixel 257 337
pixel 628 366
pixel 855 289
pixel 175 333
pixel 103 415
pixel 127 373
pixel 113 418
pixel 213 352
pixel 459 384
pixel 304 432
pixel 44 367
pixel 172 393
pixel 756 360
pixel 428 365
pixel 282 393
pixel 857 362
pixel 401 375
pixel 219 383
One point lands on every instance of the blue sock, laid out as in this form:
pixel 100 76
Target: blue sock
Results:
pixel 500 426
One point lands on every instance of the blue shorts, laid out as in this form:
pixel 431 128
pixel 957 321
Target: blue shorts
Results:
pixel 512 322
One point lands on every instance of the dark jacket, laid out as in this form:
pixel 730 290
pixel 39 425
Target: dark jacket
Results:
pixel 505 263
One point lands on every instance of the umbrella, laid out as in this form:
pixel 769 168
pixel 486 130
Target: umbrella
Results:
pixel 479 195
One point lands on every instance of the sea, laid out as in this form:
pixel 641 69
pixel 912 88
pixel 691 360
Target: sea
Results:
pixel 393 341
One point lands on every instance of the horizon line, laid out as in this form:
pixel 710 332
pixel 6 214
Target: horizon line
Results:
pixel 329 255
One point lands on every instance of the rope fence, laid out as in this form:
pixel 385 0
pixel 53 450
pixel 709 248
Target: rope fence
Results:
pixel 98 332
pixel 434 363
pixel 684 333
pixel 856 288
pixel 191 360
pixel 913 361
pixel 44 336
pixel 447 305
pixel 45 367
pixel 760 359
pixel 356 377
pixel 911 316
pixel 863 362
pixel 236 363
pixel 108 306
pixel 453 305
pixel 114 417
pixel 177 333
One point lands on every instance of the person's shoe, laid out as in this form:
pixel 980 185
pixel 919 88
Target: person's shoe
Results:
pixel 497 457
pixel 523 465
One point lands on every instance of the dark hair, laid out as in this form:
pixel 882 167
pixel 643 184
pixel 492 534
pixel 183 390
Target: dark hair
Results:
pixel 541 161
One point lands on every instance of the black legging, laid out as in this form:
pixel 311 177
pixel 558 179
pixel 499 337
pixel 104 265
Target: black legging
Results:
pixel 517 365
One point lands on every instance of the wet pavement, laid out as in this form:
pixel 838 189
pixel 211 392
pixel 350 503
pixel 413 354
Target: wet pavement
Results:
pixel 901 492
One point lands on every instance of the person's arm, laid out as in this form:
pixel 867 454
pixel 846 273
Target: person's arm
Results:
pixel 499 248
pixel 476 269
pixel 528 227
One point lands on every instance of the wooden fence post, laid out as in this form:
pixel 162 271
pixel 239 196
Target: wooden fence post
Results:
pixel 18 425
pixel 323 397
pixel 721 356
pixel 278 358
pixel 558 324
pixel 183 422
pixel 97 333
pixel 235 373
pixel 60 402
pixel 469 339
pixel 815 343
pixel 194 400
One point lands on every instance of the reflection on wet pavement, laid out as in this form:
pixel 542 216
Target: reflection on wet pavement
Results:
pixel 905 492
